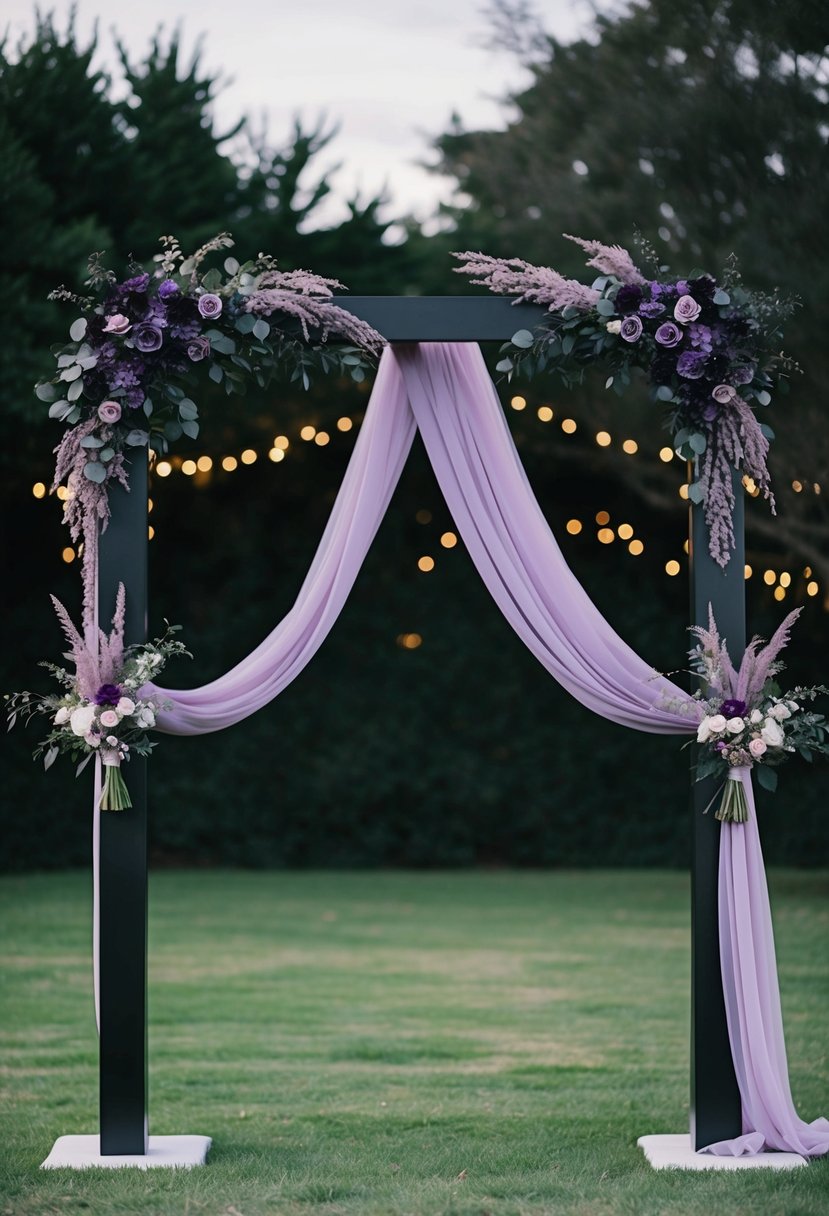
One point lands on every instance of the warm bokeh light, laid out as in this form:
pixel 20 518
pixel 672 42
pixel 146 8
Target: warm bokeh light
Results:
pixel 816 487
pixel 425 564
pixel 748 571
pixel 449 540
pixel 811 588
pixel 204 464
pixel 248 456
pixel 545 414
pixel 574 526
pixel 807 571
pixel 630 446
pixel 322 438
pixel 230 463
pixel 307 433
pixel 770 578
pixel 409 641
pixel 603 439
pixel 62 493
pixel 625 531
pixel 188 467
pixel 636 547
pixel 606 536
pixel 423 516
pixel 683 492
pixel 569 426
pixel 345 424
pixel 780 593
pixel 163 468
pixel 282 442
pixel 276 454
pixel 519 403
pixel 150 532
pixel 797 486
pixel 666 454
pixel 785 579
pixel 672 567
pixel 68 554
pixel 602 517
pixel 39 489
pixel 686 546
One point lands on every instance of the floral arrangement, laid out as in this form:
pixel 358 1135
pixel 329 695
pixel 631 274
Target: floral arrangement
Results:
pixel 706 345
pixel 746 719
pixel 123 380
pixel 100 711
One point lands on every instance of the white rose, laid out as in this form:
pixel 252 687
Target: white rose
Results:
pixel 780 712
pixel 62 716
pixel 613 327
pixel 756 717
pixel 81 719
pixel 145 716
pixel 704 730
pixel 717 724
pixel 125 707
pixel 772 733
pixel 735 725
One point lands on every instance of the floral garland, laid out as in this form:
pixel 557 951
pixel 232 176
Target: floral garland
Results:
pixel 101 710
pixel 122 380
pixel 705 344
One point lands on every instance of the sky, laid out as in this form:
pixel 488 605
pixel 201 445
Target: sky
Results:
pixel 389 72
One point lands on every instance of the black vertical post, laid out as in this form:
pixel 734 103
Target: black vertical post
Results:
pixel 123 854
pixel 715 1098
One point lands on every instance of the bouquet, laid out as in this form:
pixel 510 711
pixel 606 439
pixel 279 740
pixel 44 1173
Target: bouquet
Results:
pixel 101 710
pixel 747 720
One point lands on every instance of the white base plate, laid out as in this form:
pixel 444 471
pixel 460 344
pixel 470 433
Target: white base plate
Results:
pixel 172 1152
pixel 675 1153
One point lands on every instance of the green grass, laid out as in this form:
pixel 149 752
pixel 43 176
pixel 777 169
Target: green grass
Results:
pixel 396 1043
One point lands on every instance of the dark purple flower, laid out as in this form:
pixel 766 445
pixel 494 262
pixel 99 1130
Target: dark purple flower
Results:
pixel 167 288
pixel 147 337
pixel 691 364
pixel 742 375
pixel 198 349
pixel 108 694
pixel 651 308
pixel 209 305
pixel 631 329
pixel 682 288
pixel 139 283
pixel 700 336
pixel 710 411
pixel 703 288
pixel 628 298
pixel 668 334
pixel 733 709
pixel 720 746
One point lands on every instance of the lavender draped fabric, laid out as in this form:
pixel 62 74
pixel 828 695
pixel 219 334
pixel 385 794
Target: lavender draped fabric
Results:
pixel 446 391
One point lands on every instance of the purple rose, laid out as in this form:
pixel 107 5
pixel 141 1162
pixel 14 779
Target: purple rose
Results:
pixel 651 308
pixel 668 334
pixel 742 375
pixel 167 288
pixel 198 349
pixel 109 411
pixel 117 324
pixel 722 394
pixel 691 364
pixel 733 709
pixel 209 306
pixel 686 309
pixel 139 283
pixel 147 337
pixel 631 329
pixel 108 694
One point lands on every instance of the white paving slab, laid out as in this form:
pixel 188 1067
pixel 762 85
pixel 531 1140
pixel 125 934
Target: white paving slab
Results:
pixel 170 1152
pixel 676 1153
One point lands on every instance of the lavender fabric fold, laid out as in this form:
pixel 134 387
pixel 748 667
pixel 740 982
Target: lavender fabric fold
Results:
pixel 445 390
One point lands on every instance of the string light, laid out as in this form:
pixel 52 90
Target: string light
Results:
pixel 683 492
pixel 230 463
pixel 283 443
pixel 807 571
pixel 603 439
pixel 204 464
pixel 449 540
pixel 625 531
pixel 39 489
pixel 811 588
pixel 666 455
pixel 150 505
pixel 276 454
pixel 785 579
pixel 68 554
pixel 150 532
pixel 602 517
pixel 322 438
pixel 409 641
pixel 747 572
pixel 545 414
pixel 770 578
pixel 247 457
pixel 797 486
pixel 518 403
pixel 569 426
pixel 780 593
pixel 574 526
pixel 425 564
pixel 672 567
pixel 62 493
pixel 307 433
pixel 630 447
pixel 188 467
pixel 606 536
pixel 636 547
pixel 163 468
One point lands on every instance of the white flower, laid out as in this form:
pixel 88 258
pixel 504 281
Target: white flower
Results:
pixel 62 716
pixel 756 717
pixel 735 725
pixel 717 724
pixel 780 712
pixel 125 707
pixel 793 706
pixel 613 327
pixel 704 730
pixel 772 733
pixel 145 716
pixel 112 741
pixel 81 719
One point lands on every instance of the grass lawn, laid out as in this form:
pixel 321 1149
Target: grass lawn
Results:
pixel 418 1044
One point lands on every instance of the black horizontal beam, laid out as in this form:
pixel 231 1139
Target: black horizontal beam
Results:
pixel 442 318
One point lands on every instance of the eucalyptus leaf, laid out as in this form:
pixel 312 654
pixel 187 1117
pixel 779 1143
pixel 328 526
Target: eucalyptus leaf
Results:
pixel 106 454
pixel 608 382
pixel 77 329
pixel 187 267
pixel 75 416
pixel 523 339
pixel 763 397
pixel 59 409
pixel 88 362
pixel 50 757
pixel 605 308
pixel 83 763
pixel 187 409
pixel 93 471
pixel 212 280
pixel 504 365
pixel 231 266
pixel 696 492
pixel 261 329
pixel 681 437
pixel 245 323
pixel 697 443
pixel 766 777
pixel 91 441
pixel 567 343
pixel 173 430
pixel 147 407
pixel 74 391
pixel 664 393
pixel 71 373
pixel 215 373
pixel 190 428
pixel 722 297
pixel 767 431
pixel 137 439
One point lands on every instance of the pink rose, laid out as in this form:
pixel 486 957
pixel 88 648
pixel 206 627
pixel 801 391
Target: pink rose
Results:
pixel 109 411
pixel 118 324
pixel 109 718
pixel 686 309
pixel 723 393
pixel 92 740
pixel 757 747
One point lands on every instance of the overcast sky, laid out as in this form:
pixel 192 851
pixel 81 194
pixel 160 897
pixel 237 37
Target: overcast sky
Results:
pixel 391 72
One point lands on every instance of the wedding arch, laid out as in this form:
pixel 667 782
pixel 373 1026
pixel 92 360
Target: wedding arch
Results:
pixel 432 378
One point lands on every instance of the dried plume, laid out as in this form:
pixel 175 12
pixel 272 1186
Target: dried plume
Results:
pixel 530 284
pixel 609 259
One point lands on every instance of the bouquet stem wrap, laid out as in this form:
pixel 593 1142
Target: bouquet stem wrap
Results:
pixel 115 796
pixel 733 807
